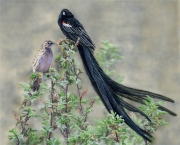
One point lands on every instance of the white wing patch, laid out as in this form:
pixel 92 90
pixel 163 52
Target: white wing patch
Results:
pixel 66 25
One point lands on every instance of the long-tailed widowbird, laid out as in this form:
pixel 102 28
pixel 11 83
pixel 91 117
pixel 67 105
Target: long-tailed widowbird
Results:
pixel 108 90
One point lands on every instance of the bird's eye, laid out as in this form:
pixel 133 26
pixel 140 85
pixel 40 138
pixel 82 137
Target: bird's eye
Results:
pixel 64 13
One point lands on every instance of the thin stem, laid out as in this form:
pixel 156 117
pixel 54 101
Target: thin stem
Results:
pixel 18 141
pixel 85 115
pixel 66 99
pixel 76 77
pixel 117 139
pixel 25 121
pixel 66 130
pixel 23 124
pixel 51 114
pixel 78 89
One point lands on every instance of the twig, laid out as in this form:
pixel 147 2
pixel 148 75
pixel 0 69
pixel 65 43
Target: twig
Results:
pixel 66 106
pixel 25 121
pixel 117 139
pixel 51 113
pixel 77 86
pixel 18 141
pixel 85 115
pixel 78 90
pixel 66 110
pixel 66 130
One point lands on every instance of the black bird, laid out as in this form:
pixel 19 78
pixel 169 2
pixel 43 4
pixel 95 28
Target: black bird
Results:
pixel 108 90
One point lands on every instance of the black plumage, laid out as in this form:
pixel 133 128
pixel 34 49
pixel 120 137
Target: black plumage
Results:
pixel 108 90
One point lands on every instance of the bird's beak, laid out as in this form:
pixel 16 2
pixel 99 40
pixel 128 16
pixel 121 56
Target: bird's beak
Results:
pixel 53 43
pixel 56 44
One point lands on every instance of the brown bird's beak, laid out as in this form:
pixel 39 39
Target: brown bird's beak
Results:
pixel 56 44
pixel 53 43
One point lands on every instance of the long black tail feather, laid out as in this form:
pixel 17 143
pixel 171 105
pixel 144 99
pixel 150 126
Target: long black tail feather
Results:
pixel 167 110
pixel 130 107
pixel 130 93
pixel 120 89
pixel 110 100
pixel 109 92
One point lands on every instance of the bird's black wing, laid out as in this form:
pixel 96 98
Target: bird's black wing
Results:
pixel 73 29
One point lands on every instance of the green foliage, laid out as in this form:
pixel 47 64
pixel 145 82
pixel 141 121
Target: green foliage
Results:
pixel 108 52
pixel 151 109
pixel 58 108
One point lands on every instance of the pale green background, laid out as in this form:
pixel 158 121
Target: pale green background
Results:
pixel 146 32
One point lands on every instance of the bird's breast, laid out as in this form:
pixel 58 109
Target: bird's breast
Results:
pixel 45 61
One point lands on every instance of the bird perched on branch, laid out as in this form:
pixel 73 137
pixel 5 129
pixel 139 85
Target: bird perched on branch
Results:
pixel 108 90
pixel 42 62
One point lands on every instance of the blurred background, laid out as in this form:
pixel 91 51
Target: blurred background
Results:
pixel 146 32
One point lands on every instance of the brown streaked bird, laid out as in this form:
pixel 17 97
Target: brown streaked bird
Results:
pixel 42 62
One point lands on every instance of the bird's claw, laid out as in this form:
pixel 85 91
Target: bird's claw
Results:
pixel 77 42
pixel 40 74
pixel 51 66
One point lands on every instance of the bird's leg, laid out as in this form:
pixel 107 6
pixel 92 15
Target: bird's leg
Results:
pixel 52 64
pixel 77 42
pixel 40 74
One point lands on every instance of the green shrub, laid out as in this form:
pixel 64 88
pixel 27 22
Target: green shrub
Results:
pixel 60 109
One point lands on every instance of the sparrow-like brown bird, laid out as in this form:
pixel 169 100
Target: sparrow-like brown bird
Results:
pixel 42 62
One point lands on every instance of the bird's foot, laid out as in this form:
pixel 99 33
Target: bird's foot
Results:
pixel 40 74
pixel 52 64
pixel 77 42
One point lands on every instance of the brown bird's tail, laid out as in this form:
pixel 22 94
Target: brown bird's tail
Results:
pixel 36 82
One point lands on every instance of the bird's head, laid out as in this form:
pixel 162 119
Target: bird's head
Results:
pixel 65 13
pixel 48 44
